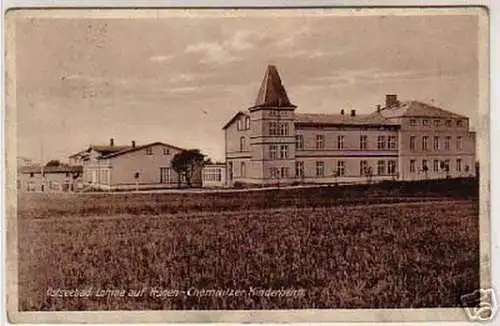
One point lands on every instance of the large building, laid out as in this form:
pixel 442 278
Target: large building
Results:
pixel 272 143
pixel 113 167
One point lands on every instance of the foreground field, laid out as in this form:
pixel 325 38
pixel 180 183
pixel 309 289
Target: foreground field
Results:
pixel 369 255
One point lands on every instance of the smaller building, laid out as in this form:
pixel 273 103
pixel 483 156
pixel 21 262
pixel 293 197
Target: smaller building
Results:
pixel 63 177
pixel 214 175
pixel 149 166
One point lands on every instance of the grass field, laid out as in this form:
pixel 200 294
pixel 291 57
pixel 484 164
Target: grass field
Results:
pixel 379 250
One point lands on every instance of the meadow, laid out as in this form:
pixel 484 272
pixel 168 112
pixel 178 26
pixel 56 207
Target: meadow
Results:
pixel 384 248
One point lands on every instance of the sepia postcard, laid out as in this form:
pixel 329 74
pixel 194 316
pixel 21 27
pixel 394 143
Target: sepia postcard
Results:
pixel 239 165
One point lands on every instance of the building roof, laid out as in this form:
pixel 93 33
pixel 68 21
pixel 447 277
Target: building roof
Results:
pixel 235 116
pixel 62 168
pixel 342 119
pixel 272 93
pixel 101 149
pixel 416 109
pixel 130 149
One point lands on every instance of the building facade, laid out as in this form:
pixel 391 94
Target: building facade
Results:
pixel 214 175
pixel 114 167
pixel 272 143
pixel 64 177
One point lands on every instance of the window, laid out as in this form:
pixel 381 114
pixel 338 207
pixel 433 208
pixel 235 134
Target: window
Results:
pixel 437 123
pixel 413 168
pixel 413 122
pixel 210 174
pixel 340 142
pixel 363 167
pixel 380 167
pixel 30 186
pixel 320 169
pixel 447 141
pixel 283 129
pixel 299 169
pixel 166 151
pixel 435 166
pixel 460 144
pixel 284 172
pixel 425 167
pixel 149 151
pixel 240 124
pixel 413 140
pixel 426 122
pixel 273 152
pixel 391 167
pixel 299 141
pixel 459 165
pixel 320 141
pixel 445 165
pixel 380 142
pixel 363 142
pixel 243 170
pixel 391 142
pixel 274 113
pixel 247 123
pixel 32 175
pixel 274 172
pixel 242 144
pixel 460 123
pixel 273 128
pixel 340 168
pixel 425 143
pixel 448 123
pixel 435 143
pixel 283 151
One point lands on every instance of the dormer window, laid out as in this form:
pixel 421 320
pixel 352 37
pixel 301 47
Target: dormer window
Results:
pixel 413 122
pixel 149 151
pixel 426 122
pixel 460 123
pixel 166 151
pixel 448 123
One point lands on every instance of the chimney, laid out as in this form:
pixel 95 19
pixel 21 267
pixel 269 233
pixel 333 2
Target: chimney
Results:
pixel 391 100
pixel 353 113
pixel 342 111
pixel 111 142
pixel 378 107
pixel 133 143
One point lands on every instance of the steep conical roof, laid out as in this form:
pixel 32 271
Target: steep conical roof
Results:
pixel 271 92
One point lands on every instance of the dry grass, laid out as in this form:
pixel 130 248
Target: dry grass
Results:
pixel 343 256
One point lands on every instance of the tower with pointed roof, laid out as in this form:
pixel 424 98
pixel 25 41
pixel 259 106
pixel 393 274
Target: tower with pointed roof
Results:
pixel 260 142
pixel 273 131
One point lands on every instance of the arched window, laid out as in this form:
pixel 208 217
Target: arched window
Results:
pixel 242 144
pixel 243 170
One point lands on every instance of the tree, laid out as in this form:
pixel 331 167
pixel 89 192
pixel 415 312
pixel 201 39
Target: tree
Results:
pixel 53 163
pixel 186 163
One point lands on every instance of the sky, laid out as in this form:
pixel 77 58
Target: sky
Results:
pixel 178 80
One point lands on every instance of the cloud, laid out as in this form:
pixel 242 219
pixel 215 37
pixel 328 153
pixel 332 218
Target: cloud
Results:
pixel 162 58
pixel 225 51
pixel 373 76
pixel 293 36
